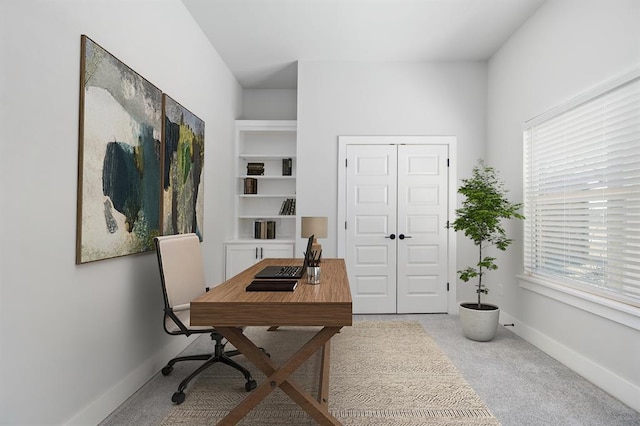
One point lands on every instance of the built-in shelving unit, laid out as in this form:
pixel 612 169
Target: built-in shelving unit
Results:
pixel 267 142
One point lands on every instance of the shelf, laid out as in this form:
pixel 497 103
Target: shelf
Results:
pixel 266 177
pixel 267 195
pixel 261 241
pixel 272 216
pixel 270 125
pixel 267 157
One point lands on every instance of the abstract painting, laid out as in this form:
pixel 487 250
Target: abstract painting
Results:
pixel 119 160
pixel 182 173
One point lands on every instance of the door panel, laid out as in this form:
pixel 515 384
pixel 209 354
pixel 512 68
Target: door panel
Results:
pixel 371 215
pixel 422 215
pixel 372 285
pixel 422 285
pixel 239 257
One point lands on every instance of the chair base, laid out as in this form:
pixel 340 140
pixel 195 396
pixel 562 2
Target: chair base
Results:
pixel 219 355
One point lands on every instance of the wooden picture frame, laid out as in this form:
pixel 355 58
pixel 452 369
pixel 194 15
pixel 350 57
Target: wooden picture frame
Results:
pixel 119 158
pixel 182 208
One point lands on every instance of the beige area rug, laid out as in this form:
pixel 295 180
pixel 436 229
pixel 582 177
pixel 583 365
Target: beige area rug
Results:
pixel 382 373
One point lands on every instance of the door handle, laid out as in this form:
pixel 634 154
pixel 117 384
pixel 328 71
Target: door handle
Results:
pixel 402 236
pixel 256 252
pixel 392 236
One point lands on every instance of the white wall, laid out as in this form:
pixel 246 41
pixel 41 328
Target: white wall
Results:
pixel 75 341
pixel 355 98
pixel 269 104
pixel 567 47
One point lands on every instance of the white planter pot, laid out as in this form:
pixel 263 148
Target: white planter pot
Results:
pixel 479 324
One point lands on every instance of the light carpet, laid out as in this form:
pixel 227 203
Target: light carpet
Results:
pixel 382 373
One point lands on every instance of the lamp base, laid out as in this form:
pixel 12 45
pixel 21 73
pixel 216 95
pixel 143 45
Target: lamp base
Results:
pixel 316 247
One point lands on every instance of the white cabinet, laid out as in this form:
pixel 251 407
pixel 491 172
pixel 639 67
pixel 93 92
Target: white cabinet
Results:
pixel 266 142
pixel 240 256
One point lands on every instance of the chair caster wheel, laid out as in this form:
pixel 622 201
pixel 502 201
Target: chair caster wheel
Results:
pixel 167 370
pixel 250 385
pixel 178 397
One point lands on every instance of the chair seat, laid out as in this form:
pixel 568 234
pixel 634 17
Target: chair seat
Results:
pixel 184 317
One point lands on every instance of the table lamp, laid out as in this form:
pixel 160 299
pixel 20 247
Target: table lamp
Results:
pixel 316 226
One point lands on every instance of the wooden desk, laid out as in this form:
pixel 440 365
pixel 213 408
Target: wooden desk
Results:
pixel 328 304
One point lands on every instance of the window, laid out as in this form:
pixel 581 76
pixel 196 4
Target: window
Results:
pixel 582 193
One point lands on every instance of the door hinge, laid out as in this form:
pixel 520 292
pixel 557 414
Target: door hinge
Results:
pixel 447 162
pixel 345 224
pixel 345 162
pixel 448 225
pixel 447 286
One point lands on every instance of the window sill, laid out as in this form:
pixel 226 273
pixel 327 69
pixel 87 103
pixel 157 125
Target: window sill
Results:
pixel 610 309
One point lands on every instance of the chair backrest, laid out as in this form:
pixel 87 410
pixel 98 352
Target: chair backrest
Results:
pixel 181 268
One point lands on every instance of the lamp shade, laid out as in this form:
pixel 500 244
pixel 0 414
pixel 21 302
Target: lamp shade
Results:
pixel 314 226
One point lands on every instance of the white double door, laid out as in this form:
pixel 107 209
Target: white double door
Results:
pixel 396 236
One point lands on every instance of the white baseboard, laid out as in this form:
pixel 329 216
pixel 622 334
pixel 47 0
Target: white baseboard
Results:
pixel 610 382
pixel 105 404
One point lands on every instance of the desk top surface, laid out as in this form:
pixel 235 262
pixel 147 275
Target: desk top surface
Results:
pixel 325 304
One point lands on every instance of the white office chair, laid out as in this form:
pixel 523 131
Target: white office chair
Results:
pixel 182 277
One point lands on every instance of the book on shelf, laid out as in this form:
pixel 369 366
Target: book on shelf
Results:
pixel 271 229
pixel 283 207
pixel 287 166
pixel 288 207
pixel 250 186
pixel 264 229
pixel 255 169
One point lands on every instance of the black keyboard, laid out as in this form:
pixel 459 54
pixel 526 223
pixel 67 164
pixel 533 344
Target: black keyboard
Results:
pixel 289 271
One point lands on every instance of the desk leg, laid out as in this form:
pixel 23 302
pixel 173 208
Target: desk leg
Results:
pixel 280 376
pixel 323 386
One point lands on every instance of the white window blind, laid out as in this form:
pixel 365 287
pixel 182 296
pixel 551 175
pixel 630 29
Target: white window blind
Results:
pixel 582 194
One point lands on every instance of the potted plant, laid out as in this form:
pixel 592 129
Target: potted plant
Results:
pixel 480 218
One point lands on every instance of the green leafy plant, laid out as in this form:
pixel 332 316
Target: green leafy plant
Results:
pixel 480 218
